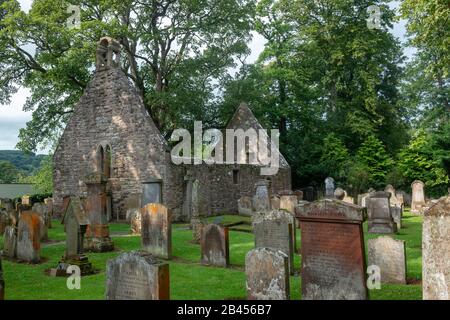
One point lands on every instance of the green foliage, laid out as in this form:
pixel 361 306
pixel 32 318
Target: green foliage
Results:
pixel 42 180
pixel 25 162
pixel 416 162
pixel 335 157
pixel 8 172
pixel 358 177
pixel 372 154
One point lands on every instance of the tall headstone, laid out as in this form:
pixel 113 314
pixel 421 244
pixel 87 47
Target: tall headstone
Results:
pixel 329 188
pixel 397 216
pixel 436 251
pixel 390 256
pixel 214 246
pixel 97 234
pixel 267 272
pixel 333 259
pixel 10 242
pixel 2 282
pixel 41 209
pixel 275 230
pixel 156 233
pixel 379 212
pixel 137 275
pixel 261 199
pixel 29 238
pixel 418 197
pixel 75 222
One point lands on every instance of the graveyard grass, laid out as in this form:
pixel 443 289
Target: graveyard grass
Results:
pixel 188 279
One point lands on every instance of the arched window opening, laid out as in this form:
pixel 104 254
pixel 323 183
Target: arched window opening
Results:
pixel 100 159
pixel 107 162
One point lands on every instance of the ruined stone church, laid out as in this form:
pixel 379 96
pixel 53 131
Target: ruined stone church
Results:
pixel 111 133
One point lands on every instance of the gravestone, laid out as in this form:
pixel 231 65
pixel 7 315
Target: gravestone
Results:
pixel 275 230
pixel 333 258
pixel 97 234
pixel 362 199
pixel 26 201
pixel 418 197
pixel 245 206
pixel 2 282
pixel 339 194
pixel 41 209
pixel 49 203
pixel 393 200
pixel 436 251
pixel 137 275
pixel 261 199
pixel 299 194
pixel 75 222
pixel 215 246
pixel 10 242
pixel 329 187
pixel 390 256
pixel 29 238
pixel 288 203
pixel 267 272
pixel 5 220
pixel 379 212
pixel 135 221
pixel 156 233
pixel 397 215
pixel 400 199
pixel 275 202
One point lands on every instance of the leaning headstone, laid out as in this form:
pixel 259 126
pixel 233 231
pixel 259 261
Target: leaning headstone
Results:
pixel 215 246
pixel 156 233
pixel 2 282
pixel 245 206
pixel 436 251
pixel 137 275
pixel 267 272
pixel 97 234
pixel 418 197
pixel 275 230
pixel 10 242
pixel 261 199
pixel 379 212
pixel 333 259
pixel 29 238
pixel 390 256
pixel 329 187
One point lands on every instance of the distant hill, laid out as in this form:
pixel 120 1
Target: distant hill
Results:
pixel 27 163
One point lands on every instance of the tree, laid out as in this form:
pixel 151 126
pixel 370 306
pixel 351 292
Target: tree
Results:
pixel 8 172
pixel 42 180
pixel 373 156
pixel 173 52
pixel 335 157
pixel 417 162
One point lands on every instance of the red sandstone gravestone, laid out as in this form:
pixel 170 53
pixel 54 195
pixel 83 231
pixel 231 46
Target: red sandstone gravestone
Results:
pixel 28 237
pixel 332 247
pixel 156 230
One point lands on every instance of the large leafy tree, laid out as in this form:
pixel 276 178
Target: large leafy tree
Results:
pixel 174 50
pixel 8 172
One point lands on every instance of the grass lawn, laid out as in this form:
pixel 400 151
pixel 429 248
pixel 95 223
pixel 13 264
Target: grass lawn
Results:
pixel 188 279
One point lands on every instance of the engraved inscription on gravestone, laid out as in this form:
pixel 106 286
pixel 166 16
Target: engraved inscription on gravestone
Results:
pixel 137 276
pixel 333 259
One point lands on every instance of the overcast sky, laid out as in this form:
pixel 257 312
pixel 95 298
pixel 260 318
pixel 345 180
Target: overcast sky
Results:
pixel 12 118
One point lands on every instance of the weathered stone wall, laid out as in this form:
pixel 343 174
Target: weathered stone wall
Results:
pixel 219 194
pixel 111 113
